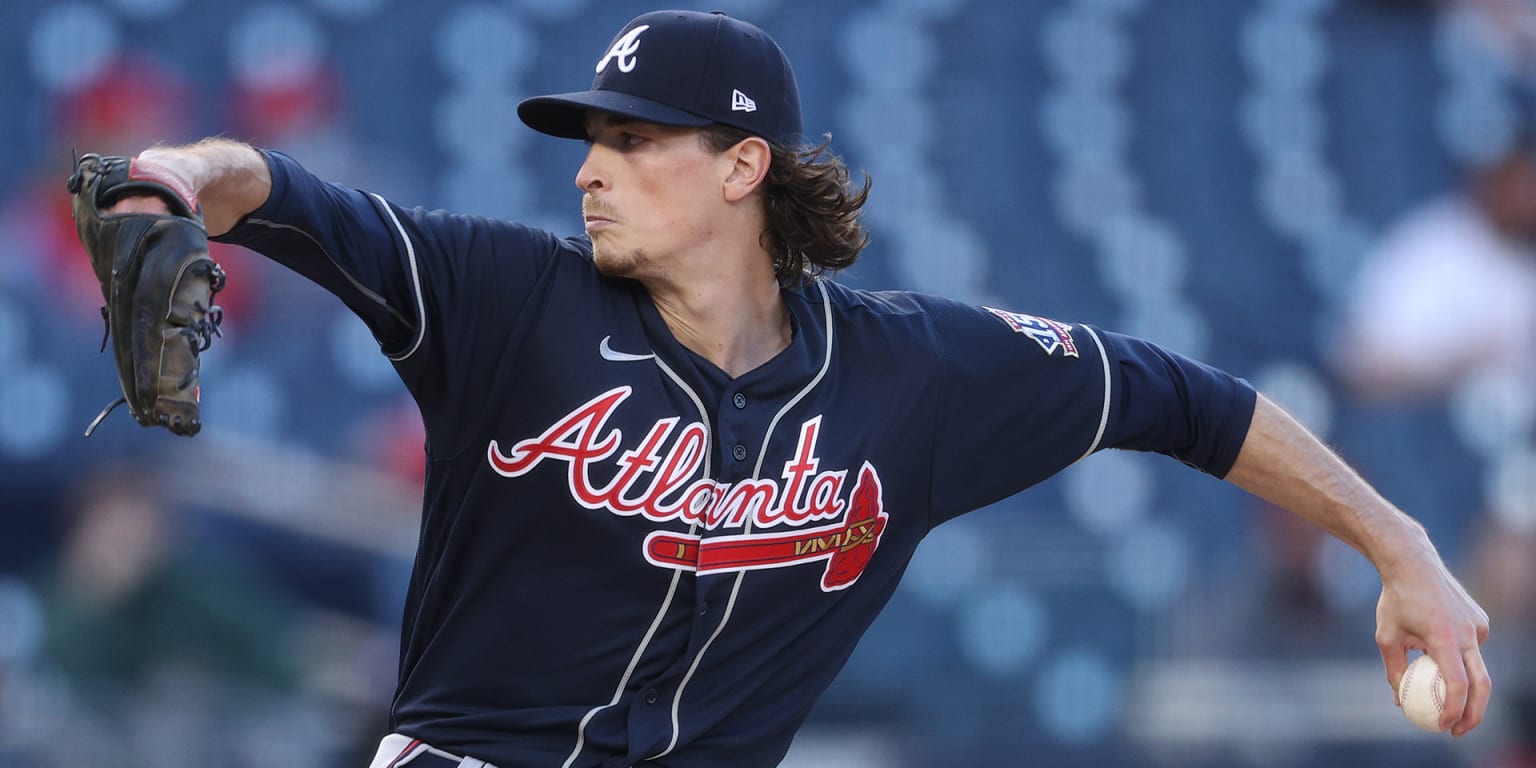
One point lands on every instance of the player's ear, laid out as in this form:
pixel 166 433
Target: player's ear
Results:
pixel 747 166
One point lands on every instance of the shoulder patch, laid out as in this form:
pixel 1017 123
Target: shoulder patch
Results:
pixel 1049 334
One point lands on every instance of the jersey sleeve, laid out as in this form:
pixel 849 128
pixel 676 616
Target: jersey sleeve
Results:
pixel 1023 397
pixel 1176 406
pixel 441 293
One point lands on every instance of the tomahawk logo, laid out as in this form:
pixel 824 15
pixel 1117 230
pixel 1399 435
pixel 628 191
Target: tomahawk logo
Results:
pixel 846 546
pixel 623 50
pixel 659 478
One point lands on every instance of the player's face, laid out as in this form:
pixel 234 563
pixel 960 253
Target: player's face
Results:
pixel 651 193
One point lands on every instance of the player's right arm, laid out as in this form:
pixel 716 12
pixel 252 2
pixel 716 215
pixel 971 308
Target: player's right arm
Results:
pixel 230 179
pixel 442 294
pixel 341 238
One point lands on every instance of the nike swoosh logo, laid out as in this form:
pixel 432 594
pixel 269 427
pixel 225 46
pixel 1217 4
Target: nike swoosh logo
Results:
pixel 608 353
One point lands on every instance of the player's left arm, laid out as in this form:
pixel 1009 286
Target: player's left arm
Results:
pixel 1422 605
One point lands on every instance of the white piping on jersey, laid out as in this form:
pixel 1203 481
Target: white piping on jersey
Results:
pixel 645 642
pixel 363 289
pixel 421 305
pixel 826 364
pixel 410 253
pixel 730 605
pixel 1104 416
pixel 634 661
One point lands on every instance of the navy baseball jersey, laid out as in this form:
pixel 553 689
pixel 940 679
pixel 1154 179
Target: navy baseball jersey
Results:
pixel 629 557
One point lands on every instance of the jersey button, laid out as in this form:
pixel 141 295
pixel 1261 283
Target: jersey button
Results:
pixel 739 400
pixel 703 608
pixel 740 452
pixel 650 696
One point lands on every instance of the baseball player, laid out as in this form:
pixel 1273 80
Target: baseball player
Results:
pixel 675 470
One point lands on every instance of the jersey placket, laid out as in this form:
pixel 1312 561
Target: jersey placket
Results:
pixel 742 426
pixel 658 709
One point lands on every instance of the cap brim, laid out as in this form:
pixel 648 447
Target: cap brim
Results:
pixel 565 114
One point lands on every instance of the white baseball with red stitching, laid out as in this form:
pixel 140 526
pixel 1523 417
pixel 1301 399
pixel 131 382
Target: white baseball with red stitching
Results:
pixel 1421 693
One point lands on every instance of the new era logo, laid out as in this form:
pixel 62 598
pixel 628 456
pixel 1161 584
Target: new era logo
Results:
pixel 740 102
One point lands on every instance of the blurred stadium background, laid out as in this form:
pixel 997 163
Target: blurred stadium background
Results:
pixel 1206 173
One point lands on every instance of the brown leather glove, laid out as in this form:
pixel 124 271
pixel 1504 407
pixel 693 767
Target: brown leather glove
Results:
pixel 157 283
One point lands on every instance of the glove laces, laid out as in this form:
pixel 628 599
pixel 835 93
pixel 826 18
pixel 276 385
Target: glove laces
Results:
pixel 199 333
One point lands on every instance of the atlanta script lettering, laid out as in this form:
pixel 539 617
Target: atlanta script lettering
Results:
pixel 660 477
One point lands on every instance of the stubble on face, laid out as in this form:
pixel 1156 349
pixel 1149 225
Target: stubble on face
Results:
pixel 614 262
pixel 609 257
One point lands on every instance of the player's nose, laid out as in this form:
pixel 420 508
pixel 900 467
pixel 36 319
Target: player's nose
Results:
pixel 589 177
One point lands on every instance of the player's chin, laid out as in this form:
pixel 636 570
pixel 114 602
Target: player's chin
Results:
pixel 612 263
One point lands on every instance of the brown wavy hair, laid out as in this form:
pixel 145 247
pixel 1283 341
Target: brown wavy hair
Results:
pixel 812 206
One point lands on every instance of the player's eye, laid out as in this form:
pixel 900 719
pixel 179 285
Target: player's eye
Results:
pixel 631 140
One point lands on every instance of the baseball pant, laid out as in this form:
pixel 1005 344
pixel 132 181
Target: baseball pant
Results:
pixel 397 751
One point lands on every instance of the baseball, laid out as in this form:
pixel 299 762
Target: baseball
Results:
pixel 1421 693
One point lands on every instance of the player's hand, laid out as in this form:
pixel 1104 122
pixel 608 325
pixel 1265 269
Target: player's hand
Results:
pixel 1423 607
pixel 140 204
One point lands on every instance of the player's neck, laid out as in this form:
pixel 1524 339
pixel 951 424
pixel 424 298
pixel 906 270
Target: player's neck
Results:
pixel 738 323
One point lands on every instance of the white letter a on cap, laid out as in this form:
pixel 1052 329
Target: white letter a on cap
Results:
pixel 624 49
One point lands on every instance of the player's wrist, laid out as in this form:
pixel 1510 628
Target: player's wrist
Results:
pixel 228 179
pixel 186 170
pixel 1401 546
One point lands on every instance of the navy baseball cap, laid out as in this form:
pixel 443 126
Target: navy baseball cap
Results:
pixel 683 68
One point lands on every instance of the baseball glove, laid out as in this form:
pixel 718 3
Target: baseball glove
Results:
pixel 157 283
